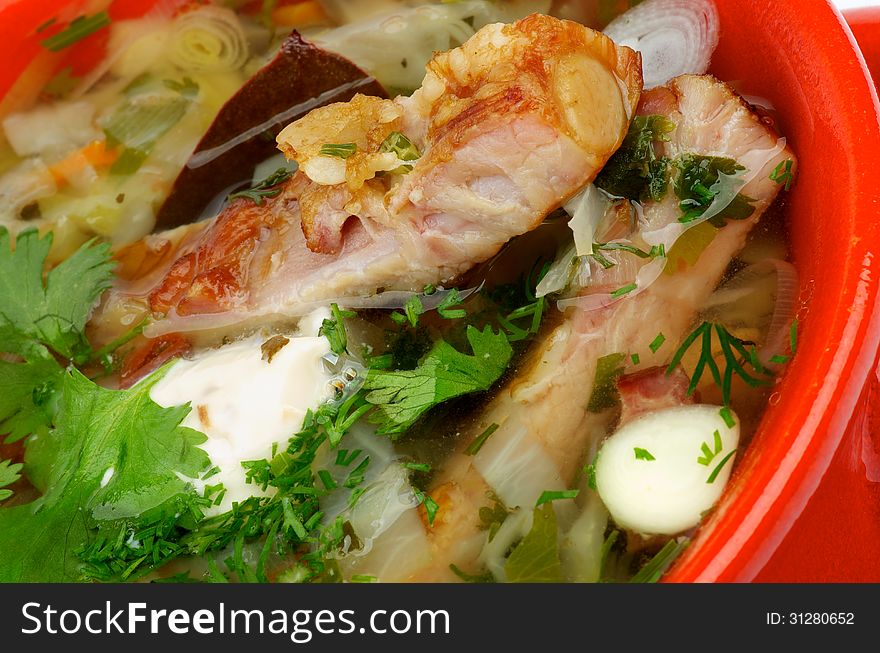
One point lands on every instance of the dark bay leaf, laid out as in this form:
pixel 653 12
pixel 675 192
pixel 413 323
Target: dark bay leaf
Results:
pixel 300 78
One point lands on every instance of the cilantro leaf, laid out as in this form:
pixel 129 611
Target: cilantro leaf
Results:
pixel 55 312
pixel 27 387
pixel 112 456
pixel 9 474
pixel 444 373
pixel 536 558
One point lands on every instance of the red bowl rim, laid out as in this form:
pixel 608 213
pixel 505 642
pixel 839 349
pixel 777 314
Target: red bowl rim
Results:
pixel 754 517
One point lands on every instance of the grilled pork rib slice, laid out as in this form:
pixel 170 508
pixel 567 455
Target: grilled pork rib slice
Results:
pixel 504 129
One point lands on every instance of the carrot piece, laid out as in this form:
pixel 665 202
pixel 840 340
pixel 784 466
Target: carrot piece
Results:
pixel 300 15
pixel 95 154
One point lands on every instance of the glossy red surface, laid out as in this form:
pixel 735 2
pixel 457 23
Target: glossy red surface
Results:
pixel 804 504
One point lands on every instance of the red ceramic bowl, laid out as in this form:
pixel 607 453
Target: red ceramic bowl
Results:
pixel 802 505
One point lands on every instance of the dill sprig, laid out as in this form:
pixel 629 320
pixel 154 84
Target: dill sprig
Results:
pixel 740 359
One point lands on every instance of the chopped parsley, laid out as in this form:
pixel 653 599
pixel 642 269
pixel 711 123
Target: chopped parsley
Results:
pixel 727 416
pixel 445 307
pixel 635 172
pixel 657 566
pixel 267 188
pixel 708 453
pixel 643 454
pixel 474 447
pixel 782 174
pixel 699 182
pixel 431 506
pixel 656 343
pixel 401 397
pixel 334 329
pixel 555 495
pixel 719 467
pixel 622 292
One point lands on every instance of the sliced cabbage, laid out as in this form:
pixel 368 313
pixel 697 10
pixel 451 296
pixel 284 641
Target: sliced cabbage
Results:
pixel 51 129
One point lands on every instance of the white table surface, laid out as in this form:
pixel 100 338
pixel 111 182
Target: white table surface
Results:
pixel 851 4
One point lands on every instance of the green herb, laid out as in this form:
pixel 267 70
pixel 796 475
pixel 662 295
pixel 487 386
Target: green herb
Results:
pixel 621 292
pixel 656 343
pixel 401 397
pixel 607 545
pixel 493 516
pixel 782 174
pixel 635 171
pixel 41 321
pixel 334 329
pixel 9 474
pixel 485 577
pixel 700 180
pixel 46 25
pixel 598 257
pixel 78 29
pixel 417 467
pixel 52 313
pixel 590 471
pixel 326 479
pixel 793 336
pixel 737 357
pixel 398 318
pixel 105 355
pixel 356 476
pixel 339 150
pixel 657 251
pixel 536 558
pixel 727 416
pixel 555 495
pixel 780 359
pixel 534 310
pixel 608 369
pixel 403 148
pixel 474 447
pixel 431 506
pixel 720 466
pixel 361 578
pixel 268 188
pixel 445 310
pixel 344 458
pixel 708 454
pixel 113 458
pixel 413 309
pixel 636 359
pixel 643 454
pixel 658 565
pixel 62 83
